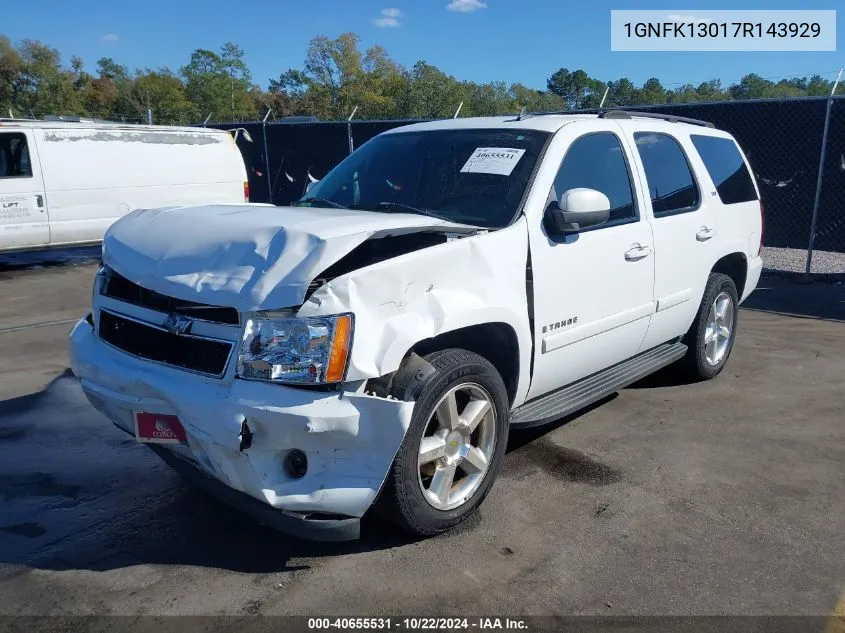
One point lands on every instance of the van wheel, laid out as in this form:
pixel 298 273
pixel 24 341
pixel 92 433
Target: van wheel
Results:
pixel 711 337
pixel 453 448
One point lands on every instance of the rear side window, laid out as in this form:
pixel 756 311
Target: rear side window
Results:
pixel 14 156
pixel 670 182
pixel 727 169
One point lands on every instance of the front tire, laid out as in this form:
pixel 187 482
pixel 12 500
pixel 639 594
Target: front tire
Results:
pixel 711 337
pixel 453 448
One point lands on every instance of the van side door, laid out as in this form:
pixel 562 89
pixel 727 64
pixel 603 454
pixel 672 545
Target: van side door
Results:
pixel 593 290
pixel 23 206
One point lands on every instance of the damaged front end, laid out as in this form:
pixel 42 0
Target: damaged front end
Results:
pixel 316 458
pixel 271 419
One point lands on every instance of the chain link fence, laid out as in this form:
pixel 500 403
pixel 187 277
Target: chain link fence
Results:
pixel 830 226
pixel 282 157
pixel 782 138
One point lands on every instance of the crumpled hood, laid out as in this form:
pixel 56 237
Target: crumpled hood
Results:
pixel 249 257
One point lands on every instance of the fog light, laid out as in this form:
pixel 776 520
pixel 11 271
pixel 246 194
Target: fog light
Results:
pixel 296 463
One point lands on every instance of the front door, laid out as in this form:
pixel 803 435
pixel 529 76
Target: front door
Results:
pixel 593 291
pixel 23 207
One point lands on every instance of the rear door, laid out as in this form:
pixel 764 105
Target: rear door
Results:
pixel 23 206
pixel 739 216
pixel 683 220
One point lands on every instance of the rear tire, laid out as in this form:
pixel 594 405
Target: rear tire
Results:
pixel 711 337
pixel 453 448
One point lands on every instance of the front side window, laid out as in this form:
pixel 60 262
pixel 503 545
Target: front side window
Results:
pixel 597 161
pixel 670 182
pixel 14 156
pixel 471 176
pixel 726 168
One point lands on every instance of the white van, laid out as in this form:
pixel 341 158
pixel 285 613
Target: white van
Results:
pixel 64 183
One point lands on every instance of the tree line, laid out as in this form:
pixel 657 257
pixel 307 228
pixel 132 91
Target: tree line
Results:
pixel 336 77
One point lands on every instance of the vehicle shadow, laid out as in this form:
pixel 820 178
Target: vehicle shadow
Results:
pixel 49 258
pixel 77 493
pixel 519 438
pixel 671 376
pixel 781 296
pixel 776 296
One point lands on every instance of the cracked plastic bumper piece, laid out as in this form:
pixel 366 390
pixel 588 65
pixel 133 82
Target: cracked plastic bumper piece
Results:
pixel 350 439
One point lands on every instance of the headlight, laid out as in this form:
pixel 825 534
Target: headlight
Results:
pixel 286 349
pixel 100 281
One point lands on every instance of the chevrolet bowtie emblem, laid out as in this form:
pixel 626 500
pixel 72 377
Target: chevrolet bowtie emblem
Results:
pixel 178 325
pixel 454 443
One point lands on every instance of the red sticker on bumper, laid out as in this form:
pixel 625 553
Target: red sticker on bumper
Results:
pixel 159 429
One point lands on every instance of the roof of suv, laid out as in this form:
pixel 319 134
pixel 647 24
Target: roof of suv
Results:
pixel 544 122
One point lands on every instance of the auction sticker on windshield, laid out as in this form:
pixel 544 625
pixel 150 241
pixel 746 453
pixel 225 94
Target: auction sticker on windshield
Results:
pixel 492 160
pixel 157 428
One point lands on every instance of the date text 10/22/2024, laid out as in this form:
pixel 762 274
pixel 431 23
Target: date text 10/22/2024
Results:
pixel 418 624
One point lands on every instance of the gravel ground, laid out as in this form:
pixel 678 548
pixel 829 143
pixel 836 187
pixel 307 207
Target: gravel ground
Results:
pixel 795 260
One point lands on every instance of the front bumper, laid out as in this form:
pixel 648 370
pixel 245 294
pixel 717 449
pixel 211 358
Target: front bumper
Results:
pixel 350 439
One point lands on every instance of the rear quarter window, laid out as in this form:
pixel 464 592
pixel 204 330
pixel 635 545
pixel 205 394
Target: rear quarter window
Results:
pixel 728 171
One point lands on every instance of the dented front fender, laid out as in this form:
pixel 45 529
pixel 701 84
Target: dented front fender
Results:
pixel 420 295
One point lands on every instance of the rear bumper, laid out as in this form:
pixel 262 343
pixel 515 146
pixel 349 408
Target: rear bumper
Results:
pixel 752 278
pixel 350 439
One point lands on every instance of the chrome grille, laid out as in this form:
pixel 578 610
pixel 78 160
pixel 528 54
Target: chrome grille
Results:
pixel 201 355
pixel 120 288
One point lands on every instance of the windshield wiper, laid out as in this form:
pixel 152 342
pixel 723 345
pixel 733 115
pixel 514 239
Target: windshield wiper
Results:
pixel 319 201
pixel 398 206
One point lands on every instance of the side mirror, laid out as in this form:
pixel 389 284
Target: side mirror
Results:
pixel 578 209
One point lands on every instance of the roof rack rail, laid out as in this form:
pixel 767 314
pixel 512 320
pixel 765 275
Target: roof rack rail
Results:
pixel 626 114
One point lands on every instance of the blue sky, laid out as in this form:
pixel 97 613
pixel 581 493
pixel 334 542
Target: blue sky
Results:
pixel 511 40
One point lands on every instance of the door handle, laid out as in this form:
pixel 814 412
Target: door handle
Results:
pixel 39 201
pixel 704 234
pixel 636 252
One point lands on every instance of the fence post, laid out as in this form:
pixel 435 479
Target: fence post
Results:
pixel 267 155
pixel 149 116
pixel 349 128
pixel 821 177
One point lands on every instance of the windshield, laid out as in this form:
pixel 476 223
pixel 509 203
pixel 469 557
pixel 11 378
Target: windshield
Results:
pixel 471 176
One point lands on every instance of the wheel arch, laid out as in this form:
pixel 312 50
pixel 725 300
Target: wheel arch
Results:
pixel 735 266
pixel 497 342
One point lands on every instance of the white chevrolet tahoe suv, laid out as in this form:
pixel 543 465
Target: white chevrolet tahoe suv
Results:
pixel 373 343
